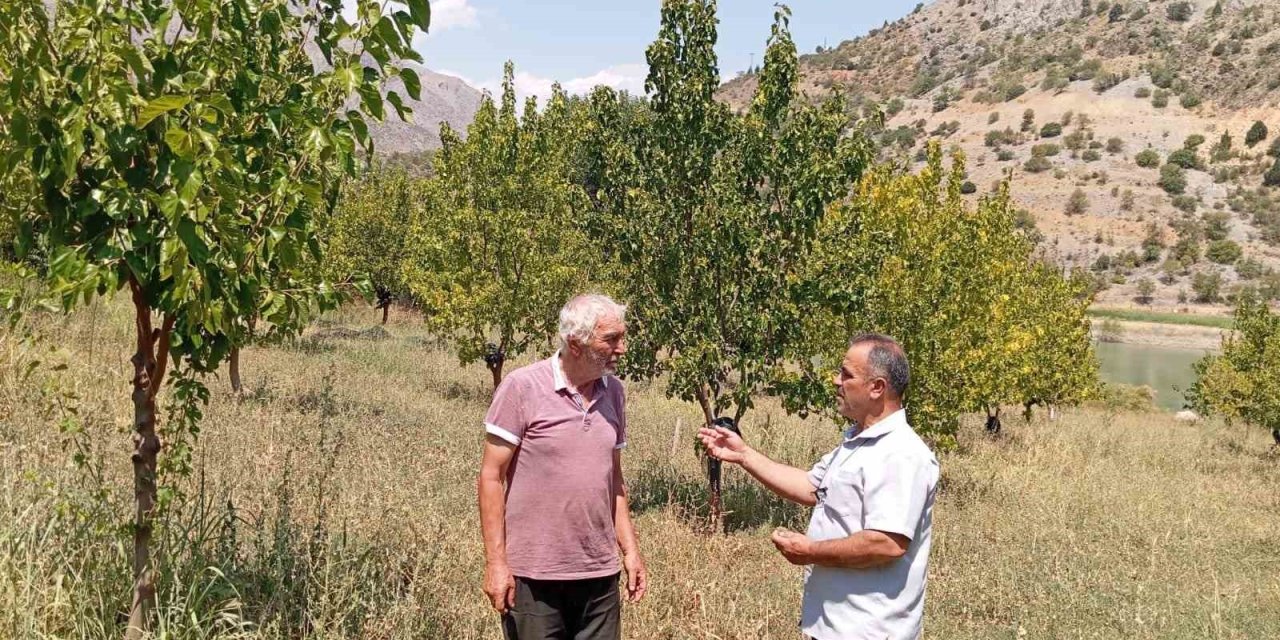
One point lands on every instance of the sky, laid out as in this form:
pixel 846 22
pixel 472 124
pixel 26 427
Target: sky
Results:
pixel 582 43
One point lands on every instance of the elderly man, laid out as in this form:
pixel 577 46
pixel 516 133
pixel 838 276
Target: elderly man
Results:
pixel 867 548
pixel 553 506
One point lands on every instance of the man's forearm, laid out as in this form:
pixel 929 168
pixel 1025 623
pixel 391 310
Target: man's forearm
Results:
pixel 493 513
pixel 862 550
pixel 786 481
pixel 628 541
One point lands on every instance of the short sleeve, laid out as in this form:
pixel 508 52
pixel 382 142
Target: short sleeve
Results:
pixel 506 418
pixel 896 493
pixel 819 470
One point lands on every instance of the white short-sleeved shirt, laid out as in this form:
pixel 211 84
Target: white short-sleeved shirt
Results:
pixel 884 478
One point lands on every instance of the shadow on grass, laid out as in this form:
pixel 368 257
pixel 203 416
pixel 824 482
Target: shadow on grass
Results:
pixel 747 504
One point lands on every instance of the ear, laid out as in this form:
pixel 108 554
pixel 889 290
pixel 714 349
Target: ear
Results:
pixel 878 388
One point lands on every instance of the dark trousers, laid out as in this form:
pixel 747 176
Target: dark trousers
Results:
pixel 565 610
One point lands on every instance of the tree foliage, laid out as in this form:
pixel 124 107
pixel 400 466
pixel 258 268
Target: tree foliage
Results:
pixel 184 151
pixel 1243 383
pixel 499 249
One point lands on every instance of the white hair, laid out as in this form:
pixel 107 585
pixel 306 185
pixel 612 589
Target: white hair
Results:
pixel 579 316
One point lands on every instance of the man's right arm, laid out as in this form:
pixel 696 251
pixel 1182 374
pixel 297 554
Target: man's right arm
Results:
pixel 786 481
pixel 499 584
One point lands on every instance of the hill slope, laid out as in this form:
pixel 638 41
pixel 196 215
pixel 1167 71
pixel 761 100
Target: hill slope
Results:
pixel 1119 79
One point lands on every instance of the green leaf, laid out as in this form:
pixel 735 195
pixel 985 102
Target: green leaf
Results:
pixel 196 246
pixel 420 10
pixel 180 142
pixel 412 85
pixel 404 112
pixel 159 107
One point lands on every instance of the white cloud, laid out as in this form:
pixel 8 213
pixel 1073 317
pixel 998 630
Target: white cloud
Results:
pixel 624 77
pixel 445 14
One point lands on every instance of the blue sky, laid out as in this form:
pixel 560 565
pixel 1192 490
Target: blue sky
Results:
pixel 582 43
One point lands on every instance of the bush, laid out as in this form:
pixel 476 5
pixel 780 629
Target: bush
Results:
pixel 1028 120
pixel 1037 164
pixel 1223 252
pixel 1257 133
pixel 1193 141
pixel 1051 130
pixel 1207 286
pixel 1091 156
pixel 1106 81
pixel 1179 11
pixel 1274 149
pixel 1147 159
pixel 997 137
pixel 993 117
pixel 1173 179
pixel 1045 150
pixel 1190 100
pixel 1185 203
pixel 1004 155
pixel 1187 159
pixel 1078 203
pixel 1272 177
pixel 1142 92
pixel 1115 145
pixel 1250 269
pixel 1160 99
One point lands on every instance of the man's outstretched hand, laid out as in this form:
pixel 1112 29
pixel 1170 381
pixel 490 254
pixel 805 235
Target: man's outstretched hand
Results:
pixel 723 444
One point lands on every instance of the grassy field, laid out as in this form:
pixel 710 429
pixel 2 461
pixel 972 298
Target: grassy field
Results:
pixel 1137 315
pixel 336 500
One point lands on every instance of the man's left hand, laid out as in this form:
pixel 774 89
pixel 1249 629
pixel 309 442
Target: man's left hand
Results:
pixel 795 547
pixel 637 576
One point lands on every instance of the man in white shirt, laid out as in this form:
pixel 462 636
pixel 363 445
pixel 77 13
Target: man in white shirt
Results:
pixel 866 552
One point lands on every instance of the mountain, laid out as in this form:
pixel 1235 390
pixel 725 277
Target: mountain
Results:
pixel 444 99
pixel 1102 83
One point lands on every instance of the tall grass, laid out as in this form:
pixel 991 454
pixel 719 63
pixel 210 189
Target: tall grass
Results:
pixel 1163 317
pixel 335 499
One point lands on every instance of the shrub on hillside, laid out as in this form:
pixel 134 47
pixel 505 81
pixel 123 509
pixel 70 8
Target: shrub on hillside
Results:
pixel 1037 164
pixel 1190 100
pixel 1115 145
pixel 1045 150
pixel 1223 252
pixel 1160 99
pixel 1142 92
pixel 1187 159
pixel 1004 155
pixel 1179 11
pixel 1147 158
pixel 1257 133
pixel 1207 286
pixel 1272 177
pixel 1173 179
pixel 1091 155
pixel 1185 203
pixel 1274 149
pixel 1078 203
pixel 1106 81
pixel 1051 130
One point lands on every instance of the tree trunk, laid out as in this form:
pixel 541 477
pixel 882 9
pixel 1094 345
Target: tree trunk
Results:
pixel 150 359
pixel 993 421
pixel 233 370
pixel 495 368
pixel 386 309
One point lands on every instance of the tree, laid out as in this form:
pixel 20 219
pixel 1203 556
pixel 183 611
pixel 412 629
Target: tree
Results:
pixel 955 283
pixel 714 213
pixel 367 235
pixel 1153 242
pixel 1207 285
pixel 1243 383
pixel 499 249
pixel 159 160
pixel 1078 203
pixel 1145 290
pixel 1257 133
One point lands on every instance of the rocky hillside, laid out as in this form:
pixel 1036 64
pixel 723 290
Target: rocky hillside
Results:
pixel 444 99
pixel 1128 128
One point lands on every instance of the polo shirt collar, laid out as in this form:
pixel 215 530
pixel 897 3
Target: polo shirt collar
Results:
pixel 562 382
pixel 891 422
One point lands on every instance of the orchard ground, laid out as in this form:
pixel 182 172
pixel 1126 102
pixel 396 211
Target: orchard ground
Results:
pixel 336 499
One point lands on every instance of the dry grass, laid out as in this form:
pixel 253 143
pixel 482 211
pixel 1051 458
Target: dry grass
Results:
pixel 336 500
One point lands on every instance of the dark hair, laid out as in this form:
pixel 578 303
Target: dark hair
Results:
pixel 886 360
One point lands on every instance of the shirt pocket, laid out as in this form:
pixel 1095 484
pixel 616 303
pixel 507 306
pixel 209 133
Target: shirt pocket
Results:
pixel 844 495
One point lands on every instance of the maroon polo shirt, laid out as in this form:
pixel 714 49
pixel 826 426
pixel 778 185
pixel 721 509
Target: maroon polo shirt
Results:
pixel 560 493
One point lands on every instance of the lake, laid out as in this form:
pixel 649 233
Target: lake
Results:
pixel 1166 370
